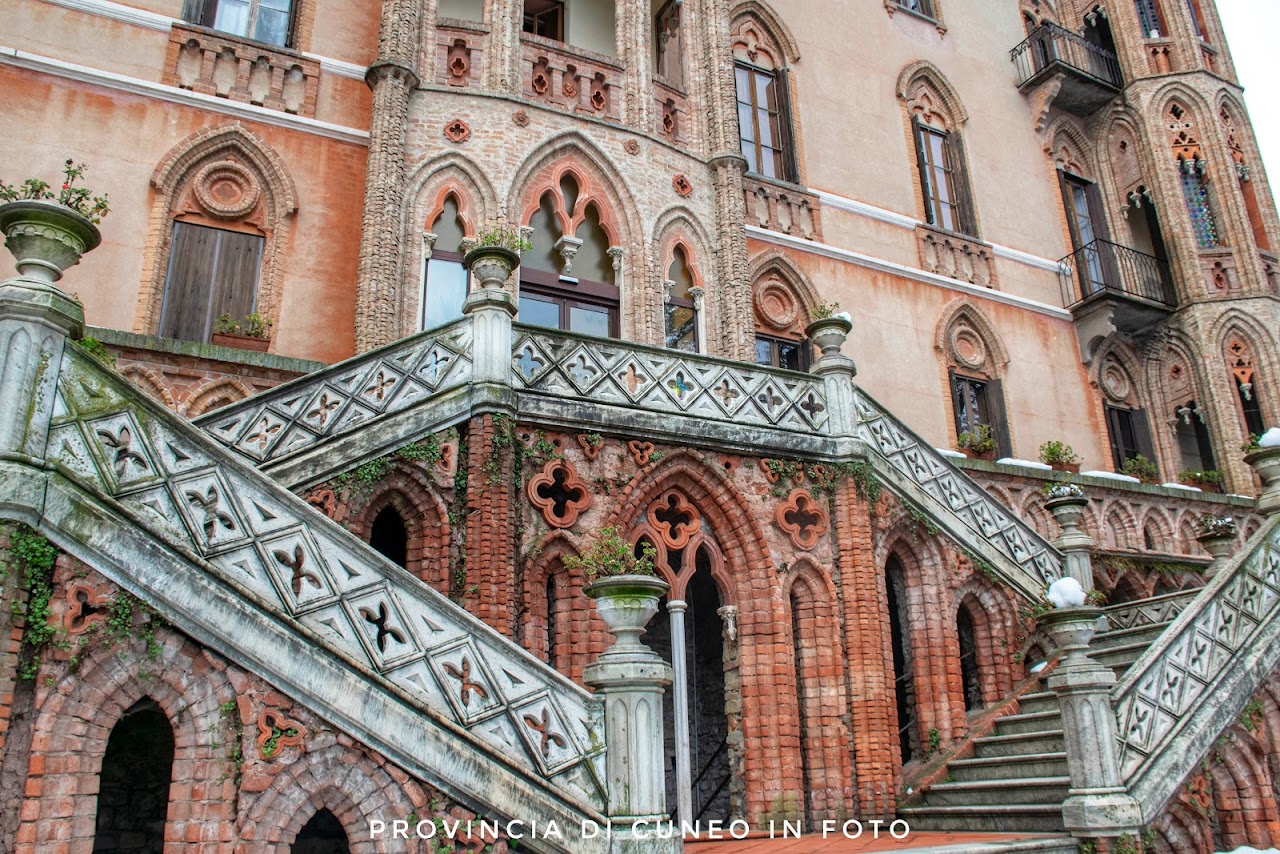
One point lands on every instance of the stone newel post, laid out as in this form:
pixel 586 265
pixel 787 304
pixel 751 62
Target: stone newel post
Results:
pixel 837 371
pixel 36 319
pixel 1098 803
pixel 491 308
pixel 1218 538
pixel 1073 541
pixel 631 679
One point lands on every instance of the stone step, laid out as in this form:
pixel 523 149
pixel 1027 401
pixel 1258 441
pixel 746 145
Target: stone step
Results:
pixel 995 793
pixel 1008 818
pixel 1122 654
pixel 1029 722
pixel 1019 744
pixel 1041 701
pixel 1004 767
pixel 1120 637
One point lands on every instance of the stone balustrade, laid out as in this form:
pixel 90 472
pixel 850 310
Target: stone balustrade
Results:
pixel 456 58
pixel 571 79
pixel 789 210
pixel 956 256
pixel 215 63
pixel 671 114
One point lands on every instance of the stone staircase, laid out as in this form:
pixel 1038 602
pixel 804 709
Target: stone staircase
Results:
pixel 1017 778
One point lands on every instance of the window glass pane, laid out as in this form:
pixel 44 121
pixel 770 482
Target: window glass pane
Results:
pixel 789 355
pixel 746 128
pixel 448 227
pixel 1197 196
pixel 273 22
pixel 233 17
pixel 446 289
pixel 682 324
pixel 589 320
pixel 764 351
pixel 538 311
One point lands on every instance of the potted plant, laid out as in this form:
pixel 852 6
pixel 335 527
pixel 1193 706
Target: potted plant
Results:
pixel 496 254
pixel 1061 456
pixel 253 333
pixel 830 328
pixel 978 442
pixel 48 232
pixel 623 584
pixel 1142 468
pixel 1210 480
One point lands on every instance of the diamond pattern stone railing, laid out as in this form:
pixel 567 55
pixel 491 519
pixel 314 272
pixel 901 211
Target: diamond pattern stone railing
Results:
pixel 985 518
pixel 260 540
pixel 1155 611
pixel 294 418
pixel 1189 686
pixel 666 381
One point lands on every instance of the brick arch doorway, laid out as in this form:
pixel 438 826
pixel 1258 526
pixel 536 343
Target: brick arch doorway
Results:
pixel 707 658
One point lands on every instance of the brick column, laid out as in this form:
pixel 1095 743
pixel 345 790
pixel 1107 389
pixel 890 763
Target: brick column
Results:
pixel 502 62
pixel 873 713
pixel 392 78
pixel 635 37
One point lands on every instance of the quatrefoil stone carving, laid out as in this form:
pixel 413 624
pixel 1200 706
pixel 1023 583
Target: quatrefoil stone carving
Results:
pixel 559 494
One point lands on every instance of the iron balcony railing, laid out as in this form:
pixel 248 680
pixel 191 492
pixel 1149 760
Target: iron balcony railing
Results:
pixel 1049 44
pixel 1103 266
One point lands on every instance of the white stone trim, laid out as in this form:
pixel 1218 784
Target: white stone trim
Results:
pixel 174 95
pixel 896 269
pixel 156 21
pixel 910 223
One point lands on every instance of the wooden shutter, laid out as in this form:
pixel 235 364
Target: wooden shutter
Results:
pixel 1097 211
pixel 189 285
pixel 917 133
pixel 1142 434
pixel 211 272
pixel 782 80
pixel 236 280
pixel 999 421
pixel 968 219
pixel 956 403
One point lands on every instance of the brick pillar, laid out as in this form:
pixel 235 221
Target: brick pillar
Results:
pixel 635 36
pixel 737 325
pixel 490 589
pixel 873 712
pixel 392 78
pixel 502 65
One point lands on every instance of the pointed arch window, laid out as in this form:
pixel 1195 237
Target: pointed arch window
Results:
pixel 567 280
pixel 1149 17
pixel 322 834
pixel 444 279
pixel 1240 361
pixel 944 182
pixel 970 675
pixel 389 536
pixel 683 303
pixel 903 678
pixel 1195 447
pixel 1195 191
pixel 668 43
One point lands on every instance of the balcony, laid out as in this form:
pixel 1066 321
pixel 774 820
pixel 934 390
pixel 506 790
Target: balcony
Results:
pixel 1113 288
pixel 1073 73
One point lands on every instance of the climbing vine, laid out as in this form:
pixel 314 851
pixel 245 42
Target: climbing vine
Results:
pixel 363 477
pixel 33 556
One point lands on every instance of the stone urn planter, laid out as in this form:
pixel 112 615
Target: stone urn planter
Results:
pixel 241 342
pixel 829 333
pixel 1071 630
pixel 492 265
pixel 627 603
pixel 1266 462
pixel 45 237
pixel 1067 510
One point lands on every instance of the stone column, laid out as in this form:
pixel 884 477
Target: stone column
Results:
pixel 680 695
pixel 503 72
pixel 1073 541
pixel 630 678
pixel 1098 803
pixel 392 77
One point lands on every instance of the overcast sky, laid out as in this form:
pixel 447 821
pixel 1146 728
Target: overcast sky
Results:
pixel 1251 27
